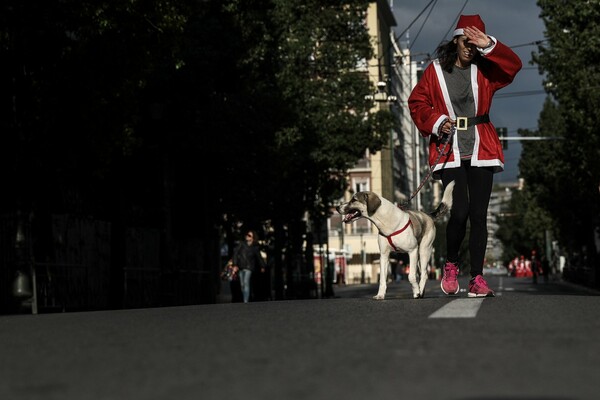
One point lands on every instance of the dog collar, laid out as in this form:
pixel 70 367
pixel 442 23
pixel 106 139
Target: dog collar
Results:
pixel 389 237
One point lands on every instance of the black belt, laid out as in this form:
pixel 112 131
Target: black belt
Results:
pixel 462 123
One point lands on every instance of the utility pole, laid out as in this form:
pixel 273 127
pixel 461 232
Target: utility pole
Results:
pixel 406 67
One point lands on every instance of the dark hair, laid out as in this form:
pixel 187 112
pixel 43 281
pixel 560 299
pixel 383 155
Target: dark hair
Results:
pixel 254 235
pixel 447 53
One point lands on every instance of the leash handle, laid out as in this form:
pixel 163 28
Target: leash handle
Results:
pixel 452 132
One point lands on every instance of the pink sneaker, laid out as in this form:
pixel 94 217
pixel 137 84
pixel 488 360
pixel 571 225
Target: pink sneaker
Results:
pixel 449 280
pixel 478 288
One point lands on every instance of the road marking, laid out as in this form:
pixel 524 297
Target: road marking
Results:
pixel 459 308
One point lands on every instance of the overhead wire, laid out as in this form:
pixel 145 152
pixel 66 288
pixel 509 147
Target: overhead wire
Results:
pixel 451 26
pixel 431 8
pixel 414 20
pixel 535 43
pixel 422 25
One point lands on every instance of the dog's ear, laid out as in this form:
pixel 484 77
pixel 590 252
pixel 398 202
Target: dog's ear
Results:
pixel 373 202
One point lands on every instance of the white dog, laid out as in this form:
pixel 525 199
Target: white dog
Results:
pixel 404 231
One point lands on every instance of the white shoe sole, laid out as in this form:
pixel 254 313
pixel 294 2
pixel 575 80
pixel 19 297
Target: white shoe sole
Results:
pixel 480 295
pixel 442 287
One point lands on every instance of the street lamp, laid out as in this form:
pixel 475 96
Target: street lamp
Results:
pixel 381 95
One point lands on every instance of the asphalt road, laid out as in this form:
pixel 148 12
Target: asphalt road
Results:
pixel 530 342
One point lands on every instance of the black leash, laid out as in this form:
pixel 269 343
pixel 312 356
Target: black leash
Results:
pixel 404 205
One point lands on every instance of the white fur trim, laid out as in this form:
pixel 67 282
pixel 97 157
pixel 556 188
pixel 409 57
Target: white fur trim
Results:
pixel 444 88
pixel 436 126
pixel 486 50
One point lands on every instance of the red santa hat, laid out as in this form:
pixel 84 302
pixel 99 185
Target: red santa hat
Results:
pixel 467 21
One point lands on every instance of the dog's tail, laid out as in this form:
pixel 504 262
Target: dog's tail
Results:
pixel 446 203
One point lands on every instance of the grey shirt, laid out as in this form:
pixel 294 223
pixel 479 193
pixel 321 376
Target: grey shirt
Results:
pixel 459 87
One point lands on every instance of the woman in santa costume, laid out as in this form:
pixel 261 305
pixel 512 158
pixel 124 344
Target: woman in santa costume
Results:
pixel 450 106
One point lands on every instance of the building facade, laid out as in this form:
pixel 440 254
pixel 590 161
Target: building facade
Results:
pixel 396 171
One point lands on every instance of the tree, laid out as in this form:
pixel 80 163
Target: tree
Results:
pixel 523 225
pixel 563 175
pixel 118 109
pixel 299 64
pixel 304 64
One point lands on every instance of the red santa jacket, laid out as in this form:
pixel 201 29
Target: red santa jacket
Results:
pixel 430 105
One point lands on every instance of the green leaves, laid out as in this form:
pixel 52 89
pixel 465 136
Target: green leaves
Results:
pixel 562 176
pixel 150 91
pixel 311 50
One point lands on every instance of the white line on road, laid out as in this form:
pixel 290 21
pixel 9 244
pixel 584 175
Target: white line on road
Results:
pixel 459 308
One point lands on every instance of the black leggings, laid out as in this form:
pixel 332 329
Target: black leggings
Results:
pixel 470 200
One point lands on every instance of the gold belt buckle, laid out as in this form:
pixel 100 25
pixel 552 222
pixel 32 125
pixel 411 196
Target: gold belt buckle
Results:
pixel 461 123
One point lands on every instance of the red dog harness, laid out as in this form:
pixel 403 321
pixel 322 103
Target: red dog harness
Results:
pixel 389 237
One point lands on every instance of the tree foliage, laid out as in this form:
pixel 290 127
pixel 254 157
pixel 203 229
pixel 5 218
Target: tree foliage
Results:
pixel 120 109
pixel 311 50
pixel 572 74
pixel 562 177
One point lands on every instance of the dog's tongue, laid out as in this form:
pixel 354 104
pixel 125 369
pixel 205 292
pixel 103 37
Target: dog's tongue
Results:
pixel 348 217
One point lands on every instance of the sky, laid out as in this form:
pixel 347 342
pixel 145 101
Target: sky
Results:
pixel 515 23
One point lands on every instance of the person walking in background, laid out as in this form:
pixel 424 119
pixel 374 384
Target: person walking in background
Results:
pixel 512 266
pixel 231 274
pixel 450 105
pixel 249 260
pixel 522 267
pixel 536 266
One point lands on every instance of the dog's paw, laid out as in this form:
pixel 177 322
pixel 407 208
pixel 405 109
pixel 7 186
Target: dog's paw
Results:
pixel 379 297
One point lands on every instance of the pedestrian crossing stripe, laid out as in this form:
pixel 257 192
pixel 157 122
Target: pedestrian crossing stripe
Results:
pixel 459 308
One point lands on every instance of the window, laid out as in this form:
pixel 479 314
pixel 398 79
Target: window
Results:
pixel 361 184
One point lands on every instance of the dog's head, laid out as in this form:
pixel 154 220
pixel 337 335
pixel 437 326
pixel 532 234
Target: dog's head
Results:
pixel 362 204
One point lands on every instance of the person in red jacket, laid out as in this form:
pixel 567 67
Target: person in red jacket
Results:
pixel 450 105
